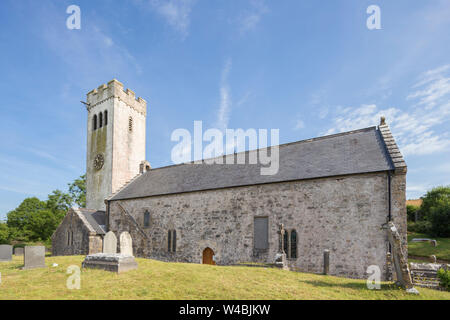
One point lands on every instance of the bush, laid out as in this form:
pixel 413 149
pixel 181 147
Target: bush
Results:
pixel 420 227
pixel 444 278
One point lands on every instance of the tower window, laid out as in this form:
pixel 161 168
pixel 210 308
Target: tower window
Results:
pixel 94 122
pixel 100 120
pixel 105 116
pixel 146 219
pixel 130 124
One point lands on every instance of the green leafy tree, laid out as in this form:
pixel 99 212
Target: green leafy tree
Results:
pixel 4 233
pixel 411 212
pixel 440 219
pixel 77 191
pixel 59 201
pixel 433 199
pixel 42 225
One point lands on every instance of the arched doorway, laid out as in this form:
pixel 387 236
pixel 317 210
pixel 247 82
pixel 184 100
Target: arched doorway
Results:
pixel 208 254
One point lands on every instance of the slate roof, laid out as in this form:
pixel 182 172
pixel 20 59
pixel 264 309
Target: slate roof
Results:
pixel 96 219
pixel 358 151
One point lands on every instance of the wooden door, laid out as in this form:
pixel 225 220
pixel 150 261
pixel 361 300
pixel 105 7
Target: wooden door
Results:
pixel 208 256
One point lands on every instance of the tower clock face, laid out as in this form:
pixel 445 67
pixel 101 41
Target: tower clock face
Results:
pixel 99 161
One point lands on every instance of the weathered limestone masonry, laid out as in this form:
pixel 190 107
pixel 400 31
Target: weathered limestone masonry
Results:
pixel 398 184
pixel 76 236
pixel 119 141
pixel 343 214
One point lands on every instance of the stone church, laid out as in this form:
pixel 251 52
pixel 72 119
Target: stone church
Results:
pixel 333 192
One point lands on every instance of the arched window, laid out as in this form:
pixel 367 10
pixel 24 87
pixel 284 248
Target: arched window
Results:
pixel 146 219
pixel 68 237
pixel 293 251
pixel 71 238
pixel 94 122
pixel 100 120
pixel 105 116
pixel 130 124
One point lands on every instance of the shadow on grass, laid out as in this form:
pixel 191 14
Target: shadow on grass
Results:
pixel 349 285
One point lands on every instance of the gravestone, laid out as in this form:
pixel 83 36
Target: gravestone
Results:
pixel 34 257
pixel 126 244
pixel 18 251
pixel 110 243
pixel 110 260
pixel 5 252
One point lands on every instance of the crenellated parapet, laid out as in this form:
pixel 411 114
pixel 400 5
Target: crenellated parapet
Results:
pixel 114 89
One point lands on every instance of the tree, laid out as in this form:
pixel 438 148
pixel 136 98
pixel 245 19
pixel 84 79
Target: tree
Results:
pixel 440 219
pixel 77 191
pixel 433 199
pixel 411 212
pixel 4 233
pixel 59 202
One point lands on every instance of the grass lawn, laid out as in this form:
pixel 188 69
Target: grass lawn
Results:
pixel 161 280
pixel 425 249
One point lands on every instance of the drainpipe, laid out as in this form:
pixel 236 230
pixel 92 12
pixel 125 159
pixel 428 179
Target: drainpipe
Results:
pixel 389 176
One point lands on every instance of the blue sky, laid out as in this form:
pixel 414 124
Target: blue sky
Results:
pixel 306 67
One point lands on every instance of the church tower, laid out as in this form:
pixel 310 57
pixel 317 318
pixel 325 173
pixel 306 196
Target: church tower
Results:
pixel 115 140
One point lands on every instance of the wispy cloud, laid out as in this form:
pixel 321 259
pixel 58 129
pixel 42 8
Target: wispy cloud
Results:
pixel 415 130
pixel 176 13
pixel 223 114
pixel 252 17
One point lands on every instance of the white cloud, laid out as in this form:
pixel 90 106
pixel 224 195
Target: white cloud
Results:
pixel 223 114
pixel 251 18
pixel 415 130
pixel 176 13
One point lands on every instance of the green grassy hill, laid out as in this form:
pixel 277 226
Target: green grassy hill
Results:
pixel 160 280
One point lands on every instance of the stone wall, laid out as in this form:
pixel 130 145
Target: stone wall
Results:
pixel 343 214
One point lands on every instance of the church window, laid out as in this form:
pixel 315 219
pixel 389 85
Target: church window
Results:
pixel 290 244
pixel 169 240
pixel 172 241
pixel 100 120
pixel 105 117
pixel 130 124
pixel 286 242
pixel 147 219
pixel 293 249
pixel 68 238
pixel 94 122
pixel 261 233
pixel 71 238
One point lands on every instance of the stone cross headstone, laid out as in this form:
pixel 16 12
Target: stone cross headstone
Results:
pixel 400 261
pixel 126 244
pixel 110 243
pixel 18 251
pixel 34 257
pixel 5 252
